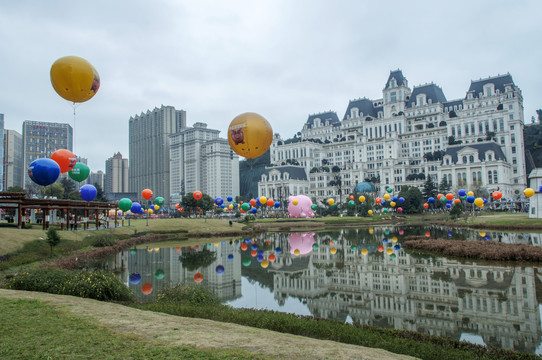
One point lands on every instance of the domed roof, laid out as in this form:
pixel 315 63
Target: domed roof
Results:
pixel 364 187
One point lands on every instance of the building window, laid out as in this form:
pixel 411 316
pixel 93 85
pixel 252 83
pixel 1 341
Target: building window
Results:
pixel 471 158
pixel 511 116
pixel 513 138
pixel 464 159
pixel 513 149
pixel 495 178
pixel 490 177
pixel 474 176
pixel 393 96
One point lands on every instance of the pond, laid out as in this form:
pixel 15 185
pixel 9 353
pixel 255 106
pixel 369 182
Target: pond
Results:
pixel 359 275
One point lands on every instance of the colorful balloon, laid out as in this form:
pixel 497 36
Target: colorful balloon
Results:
pixel 270 202
pixel 277 204
pixel 125 204
pixel 198 277
pixel 449 196
pixel 386 196
pixel 44 171
pixel 135 278
pixel 295 202
pixel 462 192
pixel 74 79
pixel 197 195
pixel 528 192
pixel 219 269
pixel 79 172
pixel 146 194
pixel 136 207
pixel 470 199
pixel 263 200
pixel 65 159
pixel 361 199
pixel 331 202
pixel 88 192
pixel 426 205
pixel 146 289
pixel 370 212
pixel 479 202
pixel 431 200
pixel 250 135
pixel 159 201
pixel 159 274
pixel 351 202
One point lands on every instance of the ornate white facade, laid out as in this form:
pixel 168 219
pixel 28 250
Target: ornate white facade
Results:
pixel 393 139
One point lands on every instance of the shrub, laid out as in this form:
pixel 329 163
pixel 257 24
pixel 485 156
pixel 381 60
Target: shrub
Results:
pixel 52 238
pixel 103 240
pixel 99 285
pixel 188 294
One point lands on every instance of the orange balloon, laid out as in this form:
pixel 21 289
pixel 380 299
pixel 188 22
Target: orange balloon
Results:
pixel 425 206
pixel 197 195
pixel 65 159
pixel 270 202
pixel 457 201
pixel 428 234
pixel 146 289
pixel 198 277
pixel 449 196
pixel 252 202
pixel 272 257
pixel 244 246
pixel 439 196
pixel 147 194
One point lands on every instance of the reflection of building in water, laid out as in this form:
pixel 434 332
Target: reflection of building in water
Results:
pixel 425 294
pixel 150 263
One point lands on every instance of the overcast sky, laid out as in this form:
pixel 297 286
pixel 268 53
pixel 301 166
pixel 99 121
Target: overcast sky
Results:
pixel 282 59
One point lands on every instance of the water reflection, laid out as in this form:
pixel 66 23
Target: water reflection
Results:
pixel 496 305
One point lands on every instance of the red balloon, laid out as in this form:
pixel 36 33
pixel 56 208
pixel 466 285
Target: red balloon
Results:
pixel 428 234
pixel 439 196
pixel 252 202
pixel 380 248
pixel 496 195
pixel 271 258
pixel 253 253
pixel 425 206
pixel 378 200
pixel 146 289
pixel 270 202
pixel 197 195
pixel 147 194
pixel 457 201
pixel 198 277
pixel 449 196
pixel 351 197
pixel 400 209
pixel 65 159
pixel 244 246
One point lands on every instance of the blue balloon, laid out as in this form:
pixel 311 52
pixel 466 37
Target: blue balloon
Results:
pixel 136 208
pixel 540 188
pixel 383 202
pixel 254 246
pixel 277 204
pixel 485 201
pixel 278 250
pixel 448 205
pixel 219 201
pixel 260 252
pixel 394 199
pixel 462 192
pixel 384 241
pixel 397 247
pixel 229 198
pixel 220 269
pixel 401 200
pixel 449 233
pixel 222 206
pixel 88 192
pixel 44 171
pixel 135 278
pixel 259 258
pixel 431 200
pixel 470 199
pixel 254 210
pixel 230 257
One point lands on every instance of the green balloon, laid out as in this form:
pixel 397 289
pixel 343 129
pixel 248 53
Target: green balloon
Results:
pixel 385 210
pixel 125 204
pixel 246 260
pixel 353 247
pixel 393 256
pixel 159 201
pixel 245 206
pixel 315 246
pixel 389 190
pixel 443 199
pixel 314 206
pixel 159 274
pixel 351 203
pixel 79 172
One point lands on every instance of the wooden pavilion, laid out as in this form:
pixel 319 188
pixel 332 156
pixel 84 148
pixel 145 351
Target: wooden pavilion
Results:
pixel 17 200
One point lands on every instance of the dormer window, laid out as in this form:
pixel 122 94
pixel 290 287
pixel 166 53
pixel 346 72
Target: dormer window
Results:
pixel 420 100
pixel 393 83
pixel 489 89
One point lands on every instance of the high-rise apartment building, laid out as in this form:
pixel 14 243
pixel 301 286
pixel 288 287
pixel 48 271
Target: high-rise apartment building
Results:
pixel 2 152
pixel 13 159
pixel 116 174
pixel 41 139
pixel 96 178
pixel 200 160
pixel 409 135
pixel 149 149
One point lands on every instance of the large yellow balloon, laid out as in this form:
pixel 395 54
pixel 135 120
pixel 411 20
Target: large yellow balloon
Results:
pixel 74 79
pixel 250 135
pixel 528 192
pixel 479 202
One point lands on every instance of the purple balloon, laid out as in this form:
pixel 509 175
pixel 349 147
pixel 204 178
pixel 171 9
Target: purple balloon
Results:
pixel 44 171
pixel 88 192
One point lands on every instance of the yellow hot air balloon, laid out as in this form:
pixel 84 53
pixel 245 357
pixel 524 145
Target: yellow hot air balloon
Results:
pixel 74 79
pixel 250 135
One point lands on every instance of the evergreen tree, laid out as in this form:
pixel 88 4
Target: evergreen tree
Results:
pixel 444 187
pixel 52 239
pixel 429 188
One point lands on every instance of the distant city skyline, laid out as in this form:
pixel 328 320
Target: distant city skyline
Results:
pixel 281 59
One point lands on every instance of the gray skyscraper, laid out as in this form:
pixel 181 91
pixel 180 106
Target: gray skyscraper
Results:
pixel 41 139
pixel 13 159
pixel 149 149
pixel 2 152
pixel 116 174
pixel 200 160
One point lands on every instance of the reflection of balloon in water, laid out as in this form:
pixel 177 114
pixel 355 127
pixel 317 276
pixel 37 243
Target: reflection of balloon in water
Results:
pixel 364 251
pixel 146 289
pixel 271 257
pixel 125 204
pixel 159 274
pixel 74 79
pixel 197 195
pixel 147 194
pixel 278 250
pixel 220 269
pixel 333 250
pixel 198 277
pixel 79 172
pixel 264 264
pixel 528 192
pixel 230 257
pixel 65 159
pixel 88 192
pixel 246 261
pixel 370 212
pixel 135 278
pixel 250 135
pixel 44 171
pixel 361 198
